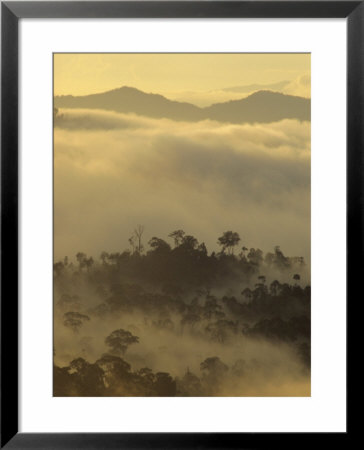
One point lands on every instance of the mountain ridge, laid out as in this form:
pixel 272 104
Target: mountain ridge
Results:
pixel 262 106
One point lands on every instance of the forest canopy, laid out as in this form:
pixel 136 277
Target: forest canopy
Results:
pixel 173 288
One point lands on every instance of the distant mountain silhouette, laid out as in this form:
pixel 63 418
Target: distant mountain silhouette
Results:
pixel 257 87
pixel 262 106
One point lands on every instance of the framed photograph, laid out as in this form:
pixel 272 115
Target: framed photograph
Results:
pixel 181 221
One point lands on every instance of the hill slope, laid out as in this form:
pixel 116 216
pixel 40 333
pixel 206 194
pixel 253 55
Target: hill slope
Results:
pixel 262 106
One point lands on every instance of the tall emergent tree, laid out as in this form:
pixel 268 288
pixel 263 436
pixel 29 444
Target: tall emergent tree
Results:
pixel 228 241
pixel 119 341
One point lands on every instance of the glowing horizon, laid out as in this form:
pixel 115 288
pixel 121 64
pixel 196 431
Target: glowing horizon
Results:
pixel 197 78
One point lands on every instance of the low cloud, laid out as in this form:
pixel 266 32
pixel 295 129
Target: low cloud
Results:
pixel 301 86
pixel 113 171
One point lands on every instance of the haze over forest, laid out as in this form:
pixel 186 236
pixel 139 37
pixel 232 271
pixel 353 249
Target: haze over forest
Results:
pixel 182 227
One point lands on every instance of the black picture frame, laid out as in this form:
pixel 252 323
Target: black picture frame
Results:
pixel 11 12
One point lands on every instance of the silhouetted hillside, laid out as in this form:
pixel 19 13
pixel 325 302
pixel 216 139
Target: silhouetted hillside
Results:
pixel 131 100
pixel 262 106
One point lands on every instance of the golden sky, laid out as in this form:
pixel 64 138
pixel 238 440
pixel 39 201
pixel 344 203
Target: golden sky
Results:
pixel 82 74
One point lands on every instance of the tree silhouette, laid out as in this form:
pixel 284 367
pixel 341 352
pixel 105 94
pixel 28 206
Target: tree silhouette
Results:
pixel 119 340
pixel 221 330
pixel 159 245
pixel 132 243
pixel 247 293
pixel 296 277
pixel 214 371
pixel 262 279
pixel 83 261
pixel 74 320
pixel 165 385
pixel 138 233
pixel 229 240
pixel 275 287
pixel 190 319
pixel 190 385
pixel 243 251
pixel 189 242
pixel 281 261
pixel 177 236
pixel 88 377
pixel 255 256
pixel 113 365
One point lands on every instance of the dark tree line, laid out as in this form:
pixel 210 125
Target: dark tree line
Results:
pixel 186 264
